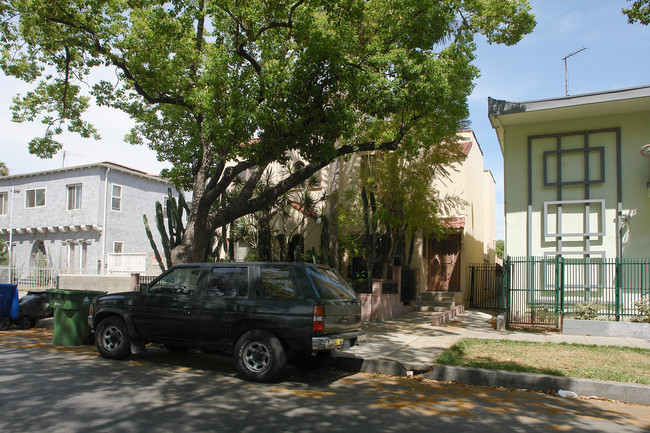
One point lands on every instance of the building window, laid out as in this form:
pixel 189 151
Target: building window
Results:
pixel 74 197
pixel 84 256
pixel 118 247
pixel 4 203
pixel 72 252
pixel 116 198
pixel 35 198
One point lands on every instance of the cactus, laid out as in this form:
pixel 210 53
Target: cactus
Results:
pixel 172 235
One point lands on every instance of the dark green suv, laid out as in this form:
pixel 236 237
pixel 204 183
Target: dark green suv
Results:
pixel 265 314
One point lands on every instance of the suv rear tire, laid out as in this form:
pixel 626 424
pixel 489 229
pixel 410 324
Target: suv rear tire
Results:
pixel 259 356
pixel 112 338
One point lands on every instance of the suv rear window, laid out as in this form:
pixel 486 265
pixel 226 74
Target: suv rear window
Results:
pixel 330 284
pixel 278 282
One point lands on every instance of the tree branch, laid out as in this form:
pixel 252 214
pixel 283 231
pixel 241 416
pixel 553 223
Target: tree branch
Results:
pixel 244 54
pixel 121 64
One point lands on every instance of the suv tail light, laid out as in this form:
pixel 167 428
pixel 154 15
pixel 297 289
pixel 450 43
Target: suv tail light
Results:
pixel 319 318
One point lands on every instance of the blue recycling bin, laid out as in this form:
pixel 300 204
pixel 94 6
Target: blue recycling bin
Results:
pixel 8 305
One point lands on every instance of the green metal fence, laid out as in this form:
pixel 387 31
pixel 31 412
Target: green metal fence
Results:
pixel 541 289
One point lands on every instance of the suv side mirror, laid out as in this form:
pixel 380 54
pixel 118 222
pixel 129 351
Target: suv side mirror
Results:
pixel 142 288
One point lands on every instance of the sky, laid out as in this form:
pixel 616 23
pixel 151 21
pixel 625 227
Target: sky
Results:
pixel 617 56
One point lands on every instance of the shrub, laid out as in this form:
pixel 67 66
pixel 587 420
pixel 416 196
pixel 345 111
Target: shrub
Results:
pixel 643 316
pixel 588 311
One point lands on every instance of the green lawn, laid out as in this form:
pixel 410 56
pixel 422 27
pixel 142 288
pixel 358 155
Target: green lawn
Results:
pixel 621 364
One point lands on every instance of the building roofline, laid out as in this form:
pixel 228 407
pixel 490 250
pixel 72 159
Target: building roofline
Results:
pixel 488 171
pixel 466 151
pixel 497 107
pixel 105 164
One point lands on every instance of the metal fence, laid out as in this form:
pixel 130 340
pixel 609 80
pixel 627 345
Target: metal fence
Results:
pixel 34 278
pixel 127 263
pixel 486 286
pixel 540 290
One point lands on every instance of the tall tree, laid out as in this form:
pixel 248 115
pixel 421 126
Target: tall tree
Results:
pixel 404 199
pixel 221 86
pixel 4 170
pixel 638 12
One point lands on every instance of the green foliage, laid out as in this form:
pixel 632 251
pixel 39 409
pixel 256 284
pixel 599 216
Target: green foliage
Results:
pixel 4 170
pixel 643 307
pixel 209 83
pixel 270 231
pixel 587 311
pixel 500 247
pixel 400 198
pixel 639 12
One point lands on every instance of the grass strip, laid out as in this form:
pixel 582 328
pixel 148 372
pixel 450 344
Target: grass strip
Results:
pixel 620 364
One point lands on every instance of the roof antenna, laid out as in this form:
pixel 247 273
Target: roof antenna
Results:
pixel 566 71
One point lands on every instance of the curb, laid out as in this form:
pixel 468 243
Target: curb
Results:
pixel 354 364
pixel 628 392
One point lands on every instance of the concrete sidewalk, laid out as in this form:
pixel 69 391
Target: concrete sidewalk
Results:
pixel 409 344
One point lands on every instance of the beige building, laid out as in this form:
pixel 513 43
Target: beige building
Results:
pixel 444 265
pixel 577 178
pixel 440 266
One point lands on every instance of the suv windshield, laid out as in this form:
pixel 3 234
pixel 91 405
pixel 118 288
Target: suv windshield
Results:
pixel 330 284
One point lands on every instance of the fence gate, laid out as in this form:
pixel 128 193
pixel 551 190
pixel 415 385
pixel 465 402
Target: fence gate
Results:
pixel 486 286
pixel 539 290
pixel 533 290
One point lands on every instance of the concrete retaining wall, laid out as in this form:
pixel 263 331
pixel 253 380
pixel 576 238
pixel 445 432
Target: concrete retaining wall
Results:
pixel 107 283
pixel 606 328
pixel 381 306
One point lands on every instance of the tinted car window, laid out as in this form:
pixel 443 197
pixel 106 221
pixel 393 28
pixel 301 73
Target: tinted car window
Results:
pixel 278 282
pixel 179 281
pixel 228 282
pixel 330 284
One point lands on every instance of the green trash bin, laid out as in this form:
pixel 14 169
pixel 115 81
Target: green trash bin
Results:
pixel 71 315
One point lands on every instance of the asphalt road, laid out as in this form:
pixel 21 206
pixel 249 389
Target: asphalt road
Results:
pixel 49 389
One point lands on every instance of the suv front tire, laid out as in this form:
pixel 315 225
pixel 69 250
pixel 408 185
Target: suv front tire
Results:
pixel 112 338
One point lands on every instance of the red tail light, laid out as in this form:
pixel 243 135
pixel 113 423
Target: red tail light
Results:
pixel 319 318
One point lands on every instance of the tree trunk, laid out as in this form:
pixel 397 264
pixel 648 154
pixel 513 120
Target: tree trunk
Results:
pixel 195 242
pixel 333 235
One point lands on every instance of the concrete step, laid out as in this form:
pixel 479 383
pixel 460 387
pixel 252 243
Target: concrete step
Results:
pixel 444 317
pixel 426 297
pixel 433 308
